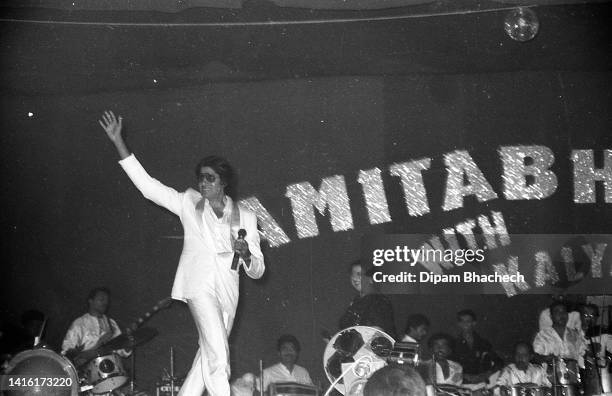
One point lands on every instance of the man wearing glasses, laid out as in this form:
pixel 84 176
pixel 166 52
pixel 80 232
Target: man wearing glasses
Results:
pixel 205 278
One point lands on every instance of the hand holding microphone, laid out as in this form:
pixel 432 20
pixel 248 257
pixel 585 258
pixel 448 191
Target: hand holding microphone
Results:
pixel 241 249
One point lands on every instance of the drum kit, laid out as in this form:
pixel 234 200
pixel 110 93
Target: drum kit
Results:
pixel 100 375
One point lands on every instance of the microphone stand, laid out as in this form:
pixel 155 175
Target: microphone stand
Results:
pixel 596 363
pixel 261 379
pixel 171 371
pixel 555 378
pixel 133 367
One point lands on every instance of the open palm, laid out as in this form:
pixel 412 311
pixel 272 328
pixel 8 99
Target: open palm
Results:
pixel 111 125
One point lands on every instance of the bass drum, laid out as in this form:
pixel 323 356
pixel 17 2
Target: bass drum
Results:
pixel 40 372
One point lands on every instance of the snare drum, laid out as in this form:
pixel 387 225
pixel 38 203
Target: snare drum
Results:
pixel 292 389
pixel 105 373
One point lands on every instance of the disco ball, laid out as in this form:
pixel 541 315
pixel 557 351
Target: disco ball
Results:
pixel 521 24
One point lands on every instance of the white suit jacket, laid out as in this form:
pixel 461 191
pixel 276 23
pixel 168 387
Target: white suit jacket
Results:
pixel 201 269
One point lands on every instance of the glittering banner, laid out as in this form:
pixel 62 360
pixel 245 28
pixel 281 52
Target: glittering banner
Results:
pixel 460 165
pixel 585 175
pixel 332 195
pixel 410 174
pixel 374 195
pixel 515 172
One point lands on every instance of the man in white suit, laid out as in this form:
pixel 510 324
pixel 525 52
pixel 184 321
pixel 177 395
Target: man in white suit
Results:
pixel 205 279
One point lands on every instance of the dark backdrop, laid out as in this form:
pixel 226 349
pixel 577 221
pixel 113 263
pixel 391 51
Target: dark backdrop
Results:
pixel 356 96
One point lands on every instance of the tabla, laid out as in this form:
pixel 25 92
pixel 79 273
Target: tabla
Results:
pixel 105 373
pixel 41 364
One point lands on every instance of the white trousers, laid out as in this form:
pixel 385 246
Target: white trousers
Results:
pixel 211 368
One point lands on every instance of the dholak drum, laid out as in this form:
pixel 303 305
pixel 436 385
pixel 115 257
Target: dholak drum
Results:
pixel 40 372
pixel 292 389
pixel 105 373
pixel 567 372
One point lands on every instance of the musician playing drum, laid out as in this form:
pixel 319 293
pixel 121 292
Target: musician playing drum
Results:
pixel 92 330
pixel 286 370
pixel 445 371
pixel 522 371
pixel 566 345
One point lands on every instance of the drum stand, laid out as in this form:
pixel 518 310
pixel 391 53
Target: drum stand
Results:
pixel 555 382
pixel 133 366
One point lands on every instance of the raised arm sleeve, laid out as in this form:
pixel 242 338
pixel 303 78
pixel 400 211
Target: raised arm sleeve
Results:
pixel 151 188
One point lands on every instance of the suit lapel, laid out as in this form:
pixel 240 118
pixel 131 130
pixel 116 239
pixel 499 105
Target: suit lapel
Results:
pixel 201 228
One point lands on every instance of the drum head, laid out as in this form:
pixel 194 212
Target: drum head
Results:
pixel 37 364
pixel 352 344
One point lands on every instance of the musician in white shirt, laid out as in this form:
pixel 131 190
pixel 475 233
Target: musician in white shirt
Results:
pixel 286 370
pixel 522 371
pixel 91 330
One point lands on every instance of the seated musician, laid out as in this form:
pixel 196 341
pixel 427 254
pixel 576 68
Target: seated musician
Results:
pixel 560 341
pixel 447 372
pixel 369 308
pixel 417 327
pixel 473 352
pixel 92 330
pixel 395 381
pixel 286 370
pixel 522 371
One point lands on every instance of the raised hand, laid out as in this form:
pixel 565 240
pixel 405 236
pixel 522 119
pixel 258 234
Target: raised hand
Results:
pixel 111 125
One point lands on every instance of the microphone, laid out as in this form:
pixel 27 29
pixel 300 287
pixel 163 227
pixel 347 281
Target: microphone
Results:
pixel 241 235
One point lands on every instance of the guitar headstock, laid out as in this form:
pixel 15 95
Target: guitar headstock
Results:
pixel 164 303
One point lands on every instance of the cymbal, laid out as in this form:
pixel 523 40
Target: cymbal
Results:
pixel 122 341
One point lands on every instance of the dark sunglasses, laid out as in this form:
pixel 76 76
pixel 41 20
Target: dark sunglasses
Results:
pixel 207 177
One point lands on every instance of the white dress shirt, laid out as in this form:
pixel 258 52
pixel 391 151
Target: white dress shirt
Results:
pixel 572 346
pixel 512 375
pixel 87 330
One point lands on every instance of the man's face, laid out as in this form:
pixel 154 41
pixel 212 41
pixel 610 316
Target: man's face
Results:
pixel 522 356
pixel 356 277
pixel 209 183
pixel 589 316
pixel 288 354
pixel 99 303
pixel 441 348
pixel 466 323
pixel 419 332
pixel 558 314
